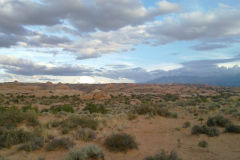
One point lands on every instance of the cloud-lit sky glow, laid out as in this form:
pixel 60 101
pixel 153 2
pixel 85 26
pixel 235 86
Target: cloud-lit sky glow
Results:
pixel 112 41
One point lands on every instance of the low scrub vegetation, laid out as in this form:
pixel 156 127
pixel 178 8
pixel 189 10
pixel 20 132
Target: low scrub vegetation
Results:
pixel 186 124
pixel 163 156
pixel 91 151
pixel 85 134
pixel 11 117
pixel 232 129
pixel 12 137
pixel 203 144
pixel 120 142
pixel 60 143
pixel 95 108
pixel 210 131
pixel 218 121
pixel 33 145
pixel 61 108
pixel 78 121
pixel 153 110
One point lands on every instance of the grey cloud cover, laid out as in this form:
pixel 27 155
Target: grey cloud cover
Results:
pixel 111 26
pixel 201 68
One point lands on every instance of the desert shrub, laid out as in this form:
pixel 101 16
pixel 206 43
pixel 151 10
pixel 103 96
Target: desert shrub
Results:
pixel 44 110
pixel 34 144
pixel 196 129
pixel 210 131
pixel 218 121
pixel 84 122
pixel 75 154
pixel 165 113
pixel 153 110
pixel 89 152
pixel 237 104
pixel 29 108
pixel 13 116
pixel 95 108
pixel 32 118
pixel 3 158
pixel 131 116
pixel 65 130
pixel 61 108
pixel 53 124
pixel 121 142
pixel 13 137
pixel 85 134
pixel 163 156
pixel 232 128
pixel 60 143
pixel 186 124
pixel 170 97
pixel 203 144
pixel 213 106
pixel 145 109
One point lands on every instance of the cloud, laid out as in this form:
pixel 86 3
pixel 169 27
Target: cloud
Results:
pixel 212 30
pixel 20 68
pixel 84 15
pixel 42 40
pixel 7 41
pixel 219 23
pixel 28 68
pixel 167 7
pixel 208 47
pixel 89 29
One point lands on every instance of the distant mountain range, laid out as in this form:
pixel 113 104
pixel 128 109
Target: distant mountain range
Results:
pixel 231 81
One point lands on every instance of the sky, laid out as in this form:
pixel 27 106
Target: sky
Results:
pixel 112 41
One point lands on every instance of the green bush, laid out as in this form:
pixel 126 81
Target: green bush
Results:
pixel 232 128
pixel 89 152
pixel 164 156
pixel 203 144
pixel 218 121
pixel 32 118
pixel 145 109
pixel 150 109
pixel 213 106
pixel 84 122
pixel 93 152
pixel 75 154
pixel 60 143
pixel 85 134
pixel 131 116
pixel 12 137
pixel 121 142
pixel 186 124
pixel 29 108
pixel 3 158
pixel 62 108
pixel 11 117
pixel 95 108
pixel 65 130
pixel 170 97
pixel 33 145
pixel 210 131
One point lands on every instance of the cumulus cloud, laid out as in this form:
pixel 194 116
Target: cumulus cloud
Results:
pixel 84 15
pixel 92 28
pixel 212 30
